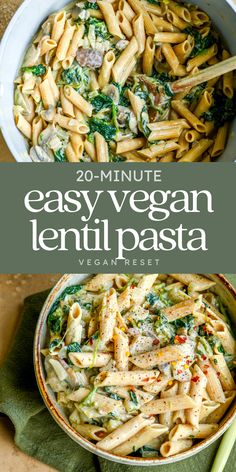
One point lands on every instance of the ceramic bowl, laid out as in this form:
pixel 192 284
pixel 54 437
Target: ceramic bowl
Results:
pixel 228 295
pixel 24 26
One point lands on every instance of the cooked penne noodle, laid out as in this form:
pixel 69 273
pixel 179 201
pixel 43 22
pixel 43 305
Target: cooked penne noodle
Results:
pixel 205 102
pixel 129 145
pixel 167 417
pixel 71 124
pixel 157 150
pixel 101 148
pixel 23 125
pixel 124 432
pixel 176 20
pixel 58 26
pixel 67 106
pixel 90 431
pixel 223 372
pixel 134 377
pixel 37 127
pixel 228 88
pixel 105 72
pixel 121 349
pixel 183 111
pixel 65 40
pixel 192 135
pixel 136 5
pixel 139 439
pixel 125 8
pixel 123 61
pixel 86 359
pixel 139 32
pixel 197 386
pixel 173 38
pixel 185 431
pixel 124 24
pixel 220 140
pixel 201 58
pixel 217 414
pixel 179 310
pixel 195 153
pixel 213 387
pixel 77 100
pixel 165 133
pixel 170 448
pixel 156 407
pixel 110 18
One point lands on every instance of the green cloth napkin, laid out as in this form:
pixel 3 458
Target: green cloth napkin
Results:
pixel 37 434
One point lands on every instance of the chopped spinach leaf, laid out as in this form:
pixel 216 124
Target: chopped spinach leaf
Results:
pixel 36 70
pixel 186 322
pixel 76 76
pixel 55 320
pixel 60 155
pixel 101 101
pixel 100 28
pixel 195 93
pixel 154 2
pixel 111 394
pixel 116 158
pixel 55 343
pixel 74 347
pixel 223 109
pixel 107 130
pixel 200 43
pixel 133 397
pixel 90 6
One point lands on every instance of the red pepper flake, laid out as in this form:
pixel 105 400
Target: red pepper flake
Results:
pixel 203 357
pixel 147 379
pixel 179 372
pixel 205 372
pixel 196 378
pixel 132 286
pixel 180 339
pixel 155 342
pixel 218 374
pixel 204 328
pixel 188 362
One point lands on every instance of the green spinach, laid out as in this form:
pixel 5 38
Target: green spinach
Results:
pixel 101 101
pixel 223 109
pixel 36 70
pixel 60 155
pixel 107 130
pixel 74 347
pixel 200 43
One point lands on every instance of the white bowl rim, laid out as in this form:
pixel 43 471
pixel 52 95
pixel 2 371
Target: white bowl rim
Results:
pixel 51 403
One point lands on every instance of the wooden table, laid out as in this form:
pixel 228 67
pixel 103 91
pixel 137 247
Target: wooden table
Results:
pixel 13 290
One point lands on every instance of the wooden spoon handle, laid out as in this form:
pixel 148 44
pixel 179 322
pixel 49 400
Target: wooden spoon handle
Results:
pixel 203 76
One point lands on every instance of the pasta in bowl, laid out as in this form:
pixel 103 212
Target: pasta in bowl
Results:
pixel 98 84
pixel 139 368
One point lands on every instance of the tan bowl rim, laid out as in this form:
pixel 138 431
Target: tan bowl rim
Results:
pixel 51 403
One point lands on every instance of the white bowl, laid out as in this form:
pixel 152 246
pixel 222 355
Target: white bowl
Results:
pixel 228 295
pixel 24 26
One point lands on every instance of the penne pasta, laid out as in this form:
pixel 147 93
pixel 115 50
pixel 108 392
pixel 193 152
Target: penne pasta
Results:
pixel 136 362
